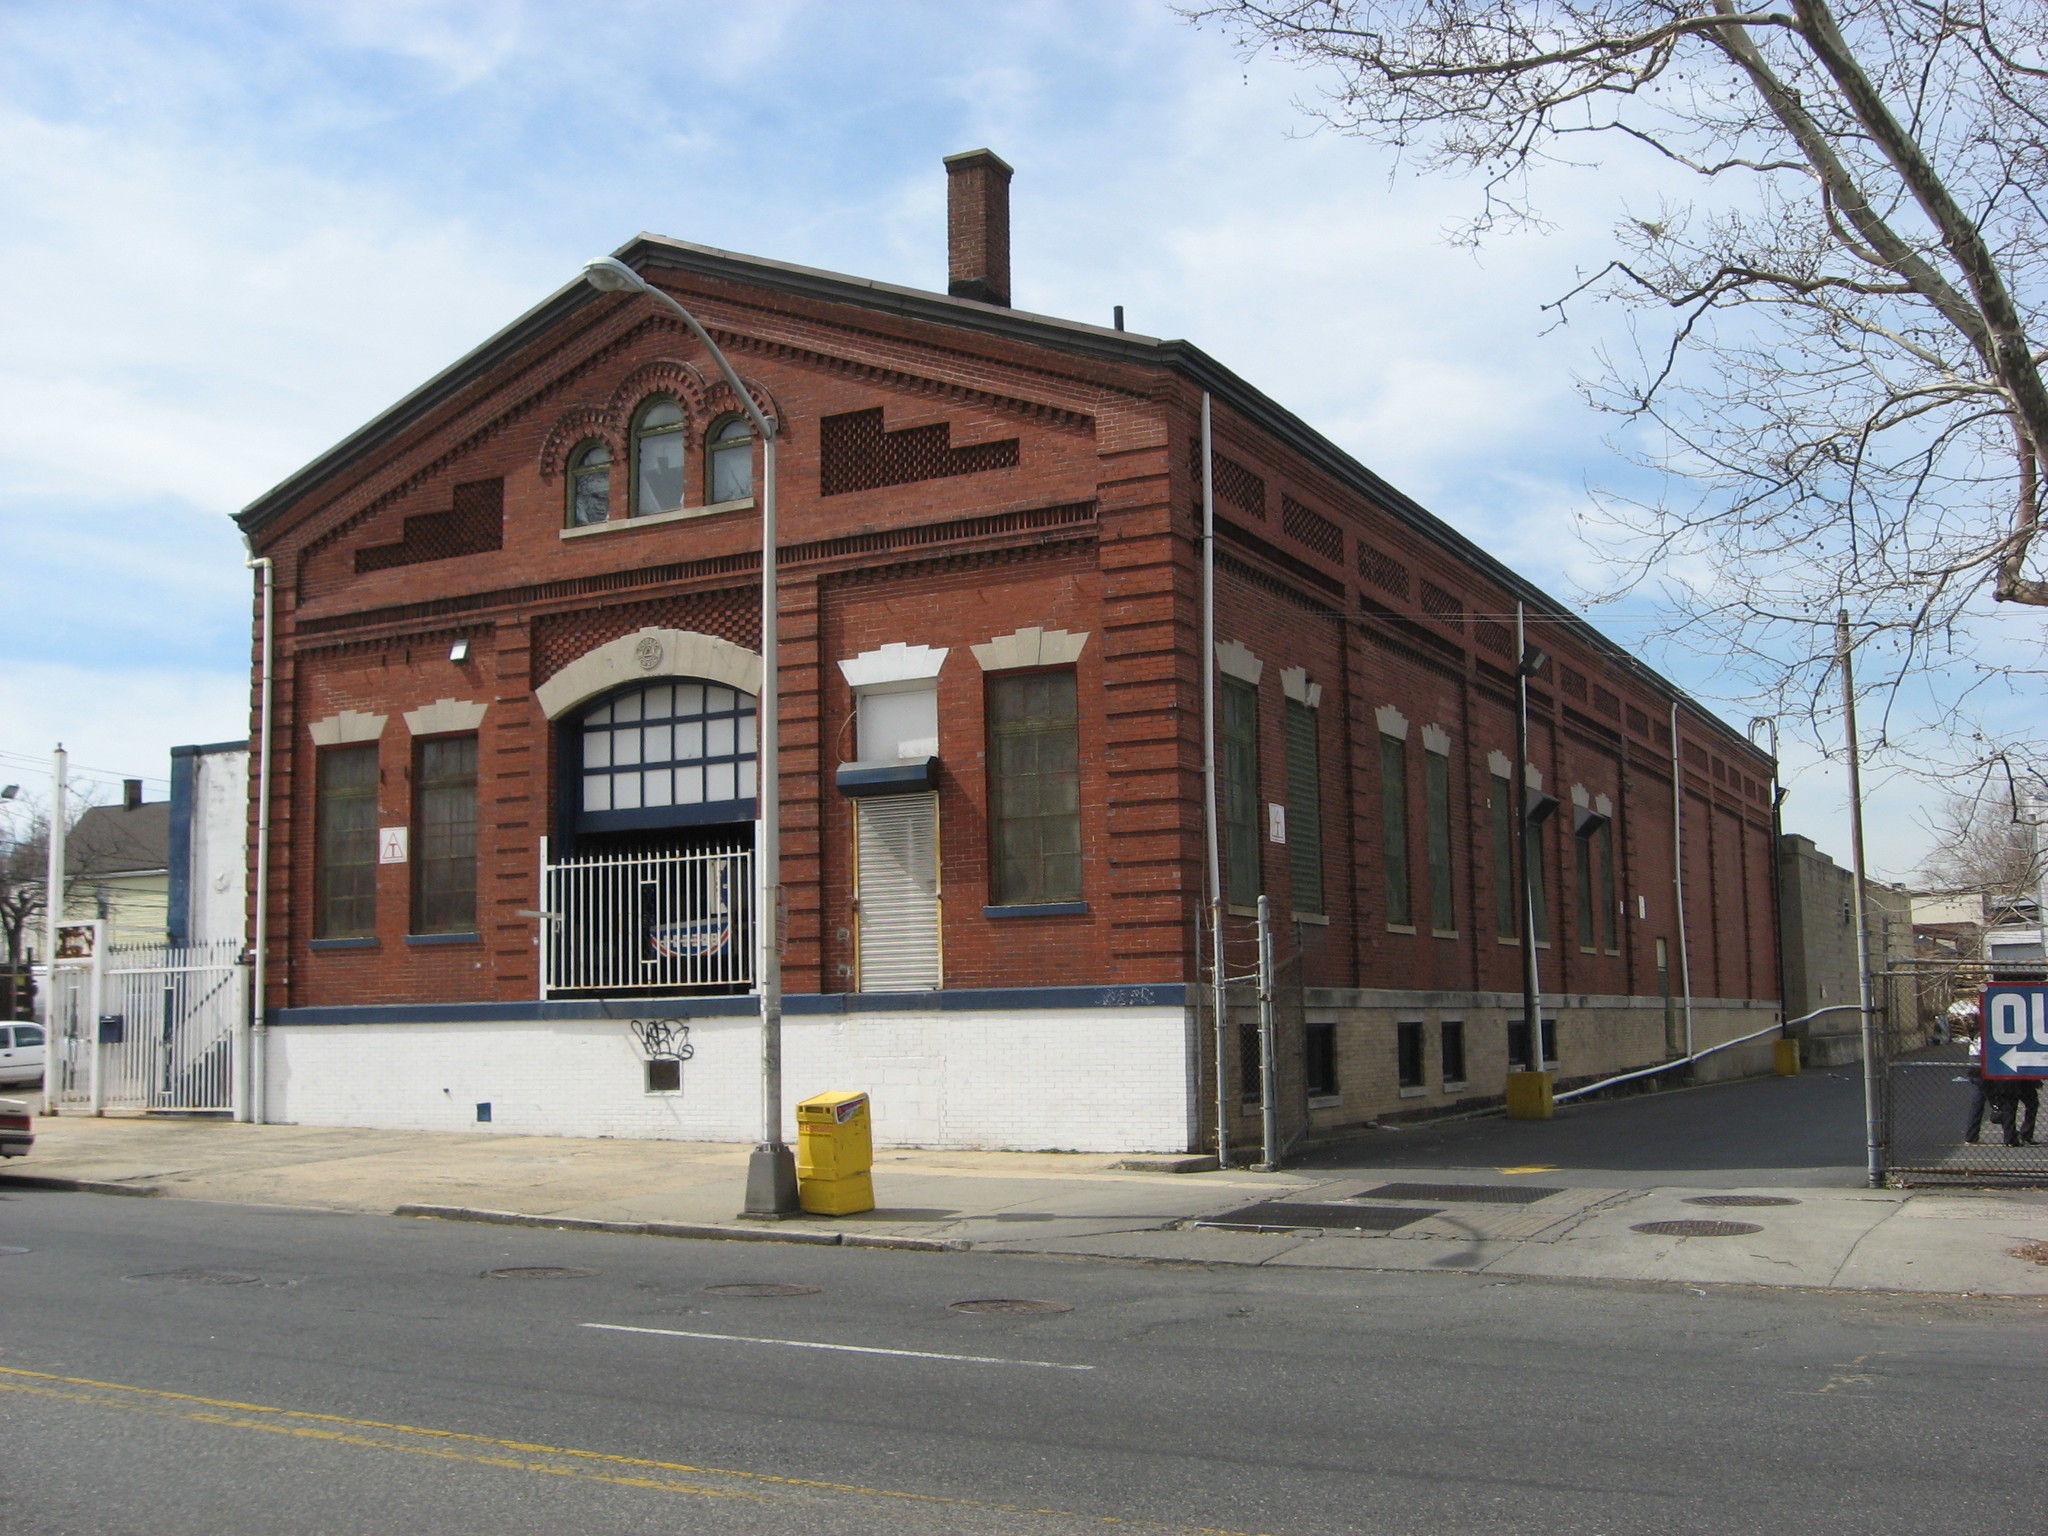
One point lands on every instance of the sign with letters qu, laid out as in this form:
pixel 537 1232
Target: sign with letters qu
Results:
pixel 2015 1032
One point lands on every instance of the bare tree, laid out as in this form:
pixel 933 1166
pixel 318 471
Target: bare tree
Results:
pixel 1982 846
pixel 24 870
pixel 1837 314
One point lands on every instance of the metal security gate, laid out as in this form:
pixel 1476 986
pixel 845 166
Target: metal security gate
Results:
pixel 149 1027
pixel 896 892
pixel 638 925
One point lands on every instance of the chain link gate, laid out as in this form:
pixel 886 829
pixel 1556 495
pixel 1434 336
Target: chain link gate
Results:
pixel 1939 1124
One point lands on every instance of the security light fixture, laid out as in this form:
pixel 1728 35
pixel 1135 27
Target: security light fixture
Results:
pixel 1534 660
pixel 10 792
pixel 608 274
pixel 459 651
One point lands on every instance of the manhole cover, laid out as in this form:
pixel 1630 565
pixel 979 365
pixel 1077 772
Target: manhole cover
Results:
pixel 1696 1228
pixel 1489 1194
pixel 1010 1306
pixel 1292 1216
pixel 762 1289
pixel 1741 1200
pixel 197 1277
pixel 539 1272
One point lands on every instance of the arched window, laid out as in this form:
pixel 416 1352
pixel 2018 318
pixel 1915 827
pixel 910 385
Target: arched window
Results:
pixel 590 485
pixel 667 755
pixel 658 457
pixel 729 455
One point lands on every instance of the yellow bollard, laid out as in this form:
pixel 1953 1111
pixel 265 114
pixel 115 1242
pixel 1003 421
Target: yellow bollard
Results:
pixel 1529 1096
pixel 834 1150
pixel 1785 1057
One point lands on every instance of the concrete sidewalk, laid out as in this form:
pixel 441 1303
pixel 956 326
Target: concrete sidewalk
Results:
pixel 1058 1203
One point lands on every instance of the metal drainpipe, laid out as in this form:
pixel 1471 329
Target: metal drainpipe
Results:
pixel 259 976
pixel 1218 998
pixel 1678 877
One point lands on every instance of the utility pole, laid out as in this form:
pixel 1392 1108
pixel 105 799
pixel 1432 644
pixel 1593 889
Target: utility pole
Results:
pixel 53 914
pixel 1873 1139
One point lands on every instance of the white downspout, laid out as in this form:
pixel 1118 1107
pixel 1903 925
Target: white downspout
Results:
pixel 252 1105
pixel 1211 837
pixel 1678 877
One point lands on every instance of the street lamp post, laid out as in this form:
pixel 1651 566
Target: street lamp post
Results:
pixel 1530 1099
pixel 771 1170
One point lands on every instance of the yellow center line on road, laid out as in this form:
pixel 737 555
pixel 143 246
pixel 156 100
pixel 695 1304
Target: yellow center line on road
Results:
pixel 585 1465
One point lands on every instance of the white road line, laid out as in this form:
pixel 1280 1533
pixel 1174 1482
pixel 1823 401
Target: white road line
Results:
pixel 851 1349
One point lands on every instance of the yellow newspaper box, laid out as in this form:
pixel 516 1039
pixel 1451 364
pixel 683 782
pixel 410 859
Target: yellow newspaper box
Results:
pixel 835 1148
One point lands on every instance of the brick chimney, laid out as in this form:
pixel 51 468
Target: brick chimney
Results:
pixel 978 227
pixel 131 794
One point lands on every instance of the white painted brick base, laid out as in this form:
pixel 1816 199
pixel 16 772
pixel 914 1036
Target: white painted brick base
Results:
pixel 1082 1080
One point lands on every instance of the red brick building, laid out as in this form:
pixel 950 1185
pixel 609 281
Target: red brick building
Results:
pixel 517 647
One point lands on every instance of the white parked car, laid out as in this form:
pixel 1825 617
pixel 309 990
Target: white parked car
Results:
pixel 17 1132
pixel 21 1053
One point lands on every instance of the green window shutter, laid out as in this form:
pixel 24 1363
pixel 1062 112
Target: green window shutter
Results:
pixel 1034 766
pixel 1504 858
pixel 1436 784
pixel 1304 809
pixel 1242 877
pixel 1394 827
pixel 345 816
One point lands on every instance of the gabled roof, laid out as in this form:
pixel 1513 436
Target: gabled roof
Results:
pixel 1099 343
pixel 115 840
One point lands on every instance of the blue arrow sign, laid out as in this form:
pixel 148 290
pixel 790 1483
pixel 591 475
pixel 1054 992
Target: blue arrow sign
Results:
pixel 2015 1032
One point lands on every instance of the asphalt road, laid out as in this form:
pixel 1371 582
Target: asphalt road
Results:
pixel 1759 1132
pixel 171 1367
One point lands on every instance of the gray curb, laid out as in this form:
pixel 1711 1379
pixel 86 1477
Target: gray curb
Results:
pixel 701 1230
pixel 77 1186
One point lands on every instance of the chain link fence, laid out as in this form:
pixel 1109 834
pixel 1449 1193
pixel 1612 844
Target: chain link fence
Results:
pixel 1942 1122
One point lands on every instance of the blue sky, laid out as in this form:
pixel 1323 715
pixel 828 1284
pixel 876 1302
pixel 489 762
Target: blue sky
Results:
pixel 236 231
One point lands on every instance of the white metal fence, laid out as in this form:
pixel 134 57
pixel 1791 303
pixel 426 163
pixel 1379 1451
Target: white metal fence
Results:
pixel 148 1027
pixel 641 924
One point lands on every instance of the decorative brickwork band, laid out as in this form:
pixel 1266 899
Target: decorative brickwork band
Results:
pixel 1030 648
pixel 348 726
pixel 644 656
pixel 445 716
pixel 856 454
pixel 473 526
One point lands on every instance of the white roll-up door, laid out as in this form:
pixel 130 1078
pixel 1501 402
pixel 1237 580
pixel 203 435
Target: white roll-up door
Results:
pixel 896 874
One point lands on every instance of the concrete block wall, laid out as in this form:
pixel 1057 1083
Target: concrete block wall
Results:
pixel 1080 1080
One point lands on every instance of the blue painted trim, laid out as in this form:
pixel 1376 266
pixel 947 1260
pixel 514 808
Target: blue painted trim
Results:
pixel 1039 909
pixel 907 778
pixel 566 1010
pixel 178 850
pixel 342 944
pixel 651 818
pixel 444 938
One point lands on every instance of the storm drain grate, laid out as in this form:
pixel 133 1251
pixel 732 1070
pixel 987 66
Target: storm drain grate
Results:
pixel 1009 1305
pixel 1489 1194
pixel 197 1277
pixel 539 1272
pixel 1740 1200
pixel 1287 1216
pixel 762 1288
pixel 1696 1228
